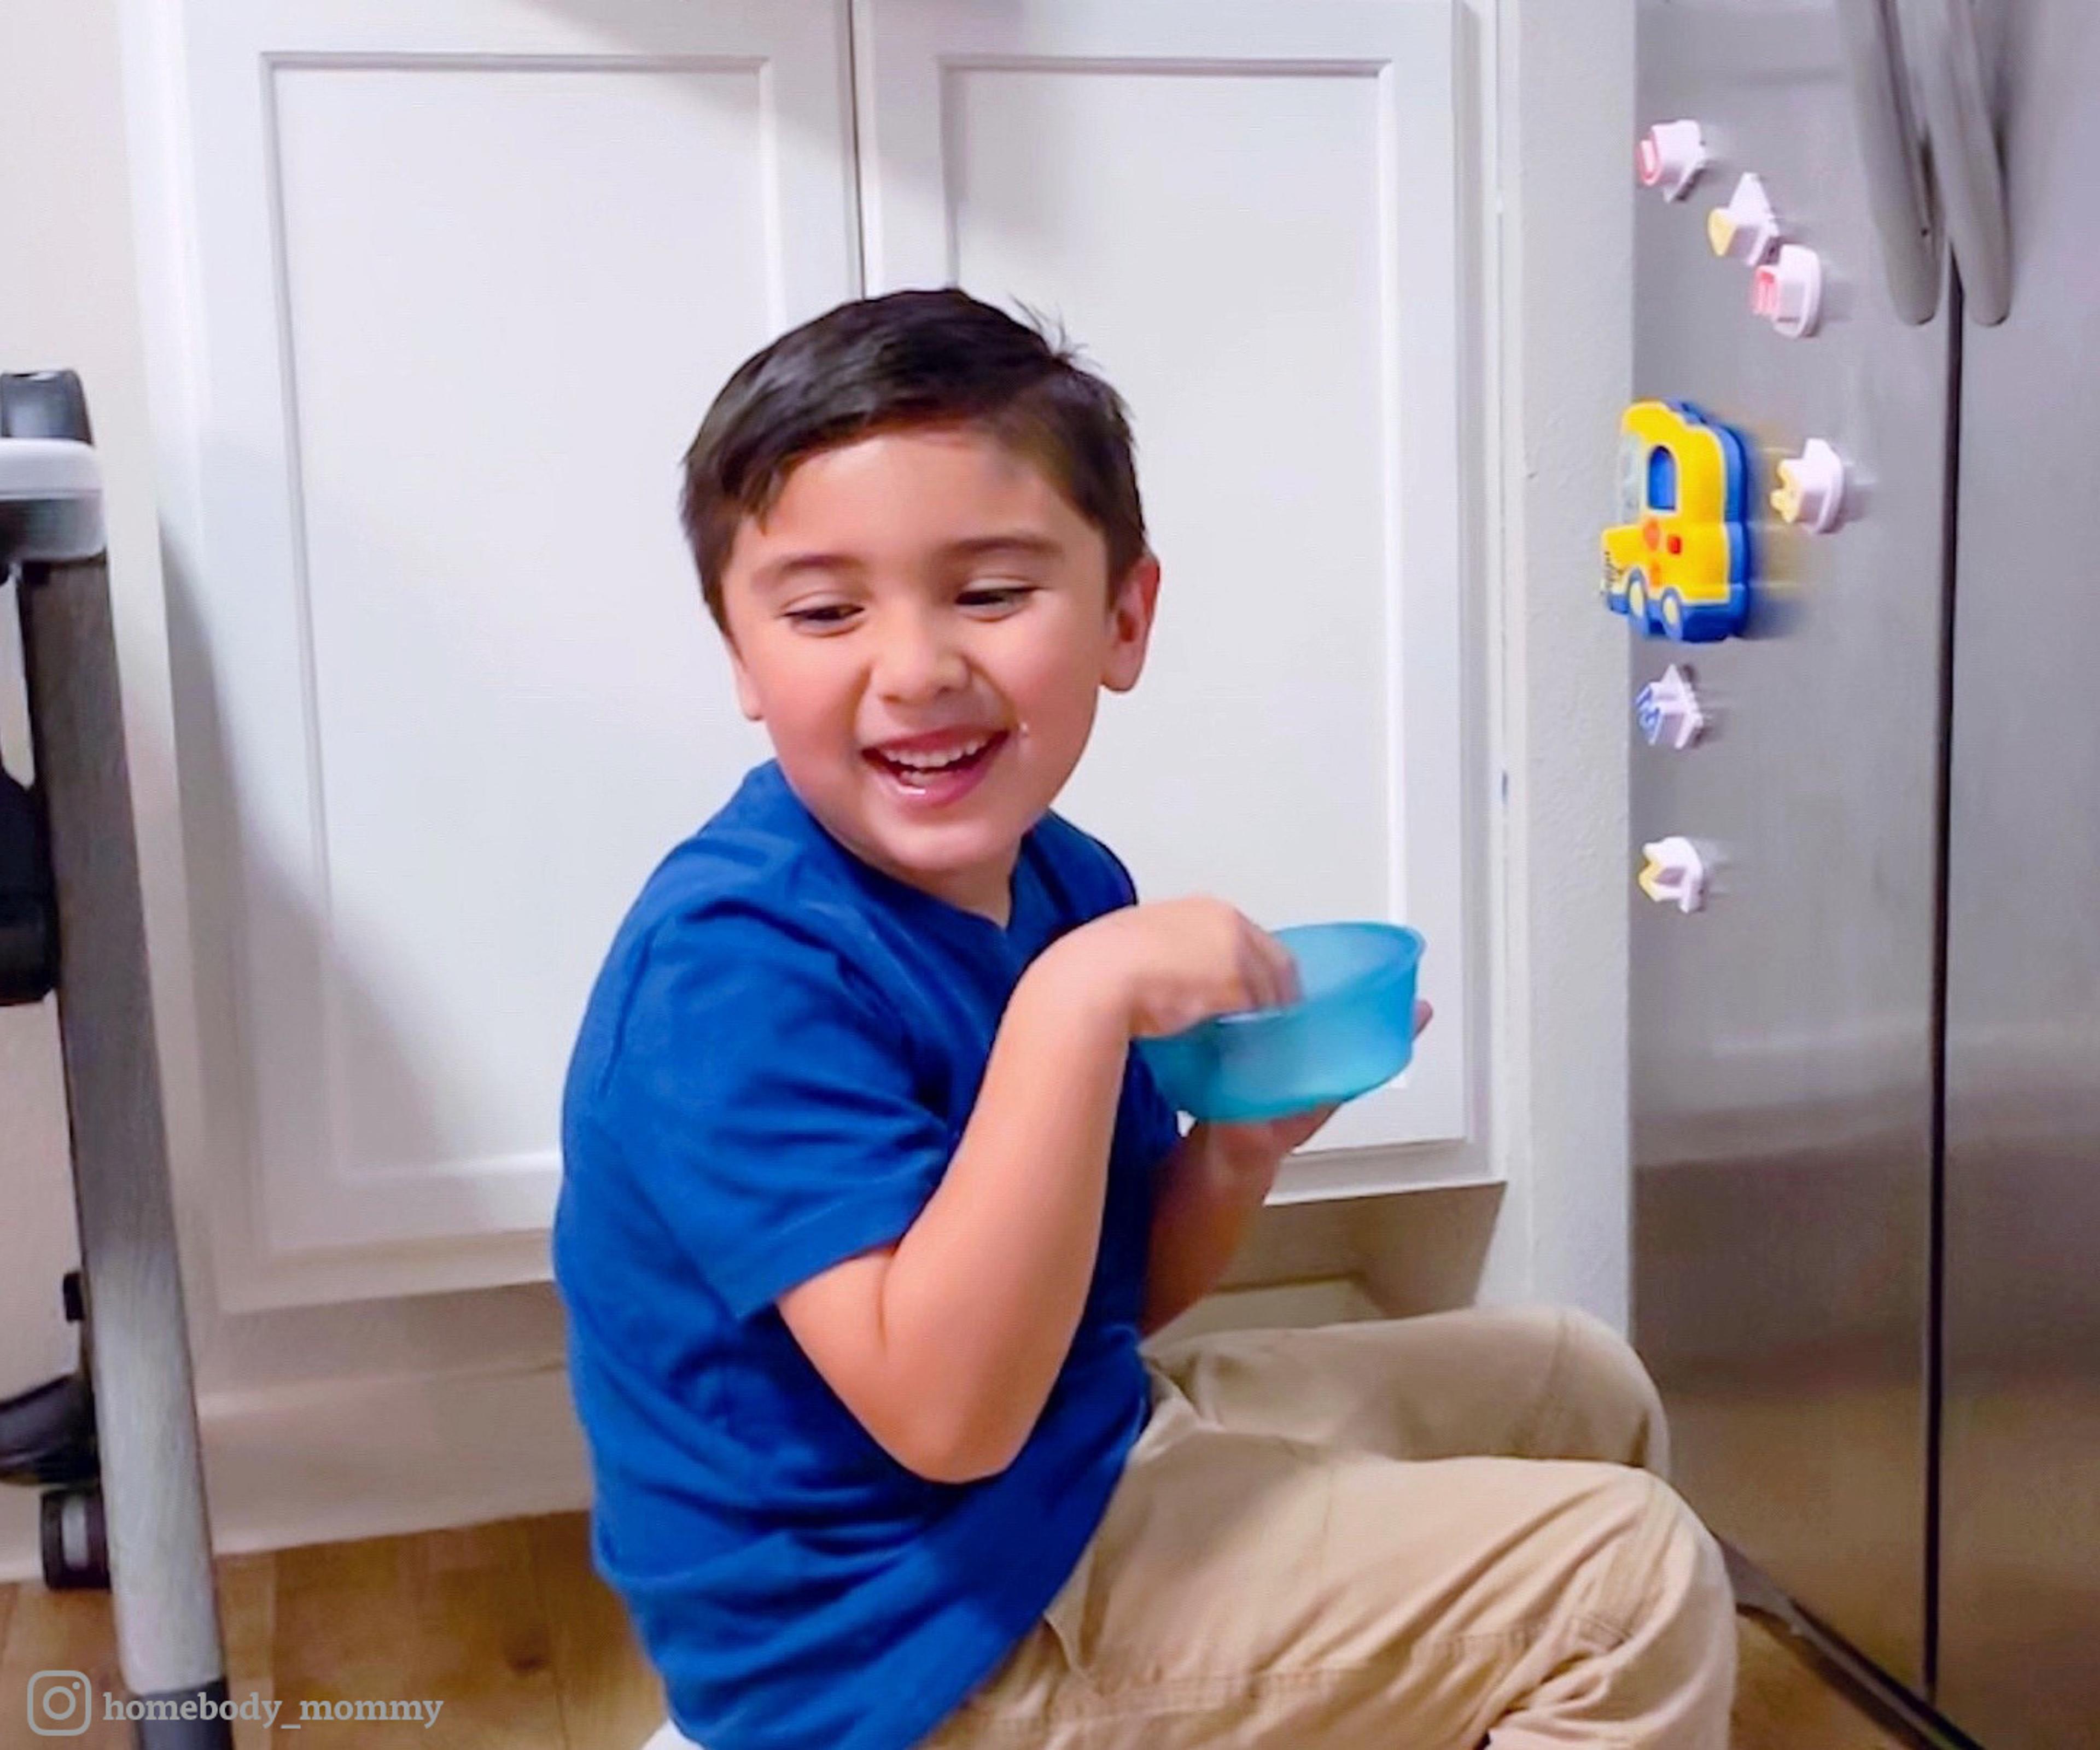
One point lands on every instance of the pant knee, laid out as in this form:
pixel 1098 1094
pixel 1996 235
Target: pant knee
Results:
pixel 1613 1395
pixel 1693 1643
pixel 1695 1575
pixel 1671 1615
pixel 1641 1647
pixel 1668 1585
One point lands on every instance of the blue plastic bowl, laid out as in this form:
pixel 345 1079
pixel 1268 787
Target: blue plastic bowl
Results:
pixel 1352 1029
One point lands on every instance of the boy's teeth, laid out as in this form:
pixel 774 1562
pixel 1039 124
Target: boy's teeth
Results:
pixel 934 762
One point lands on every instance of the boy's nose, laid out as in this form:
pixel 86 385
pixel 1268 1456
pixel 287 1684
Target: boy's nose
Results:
pixel 914 661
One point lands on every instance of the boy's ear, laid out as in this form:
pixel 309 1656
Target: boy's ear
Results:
pixel 1130 624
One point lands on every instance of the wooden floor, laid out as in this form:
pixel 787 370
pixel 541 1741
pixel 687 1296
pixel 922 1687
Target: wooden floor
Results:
pixel 508 1628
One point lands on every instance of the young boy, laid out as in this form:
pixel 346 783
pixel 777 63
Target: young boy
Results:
pixel 867 1202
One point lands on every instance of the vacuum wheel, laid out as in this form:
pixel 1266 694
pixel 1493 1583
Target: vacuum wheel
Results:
pixel 76 1549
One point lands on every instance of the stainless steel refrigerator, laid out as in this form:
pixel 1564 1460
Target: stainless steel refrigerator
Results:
pixel 1866 1064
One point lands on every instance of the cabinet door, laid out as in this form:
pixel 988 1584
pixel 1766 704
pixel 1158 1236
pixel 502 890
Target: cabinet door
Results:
pixel 1248 216
pixel 460 281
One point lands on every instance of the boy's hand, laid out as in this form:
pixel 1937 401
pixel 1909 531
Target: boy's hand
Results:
pixel 1166 967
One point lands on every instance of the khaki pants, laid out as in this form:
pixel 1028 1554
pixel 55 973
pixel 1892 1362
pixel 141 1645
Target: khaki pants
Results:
pixel 1415 1534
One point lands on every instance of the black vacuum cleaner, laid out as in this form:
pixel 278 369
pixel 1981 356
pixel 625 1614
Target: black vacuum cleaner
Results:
pixel 113 1445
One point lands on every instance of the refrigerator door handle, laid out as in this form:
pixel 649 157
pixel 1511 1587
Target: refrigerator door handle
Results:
pixel 1893 158
pixel 1965 154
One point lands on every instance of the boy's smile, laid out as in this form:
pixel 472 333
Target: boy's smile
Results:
pixel 923 622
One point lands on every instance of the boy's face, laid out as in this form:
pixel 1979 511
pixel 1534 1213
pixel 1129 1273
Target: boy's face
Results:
pixel 924 625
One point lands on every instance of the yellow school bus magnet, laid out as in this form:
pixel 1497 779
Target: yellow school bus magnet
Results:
pixel 1681 561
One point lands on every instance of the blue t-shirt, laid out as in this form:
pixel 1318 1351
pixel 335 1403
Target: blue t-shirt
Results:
pixel 776 1067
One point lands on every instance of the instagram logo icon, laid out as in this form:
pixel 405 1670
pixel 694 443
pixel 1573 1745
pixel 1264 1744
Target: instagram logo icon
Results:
pixel 61 1703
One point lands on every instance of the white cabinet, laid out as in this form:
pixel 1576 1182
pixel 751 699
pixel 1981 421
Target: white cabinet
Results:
pixel 441 292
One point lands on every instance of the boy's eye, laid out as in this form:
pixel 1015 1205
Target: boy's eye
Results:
pixel 995 595
pixel 832 613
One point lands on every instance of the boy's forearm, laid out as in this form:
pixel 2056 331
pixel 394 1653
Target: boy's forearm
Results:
pixel 1207 1198
pixel 984 1294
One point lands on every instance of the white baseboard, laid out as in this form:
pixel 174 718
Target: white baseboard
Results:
pixel 340 1460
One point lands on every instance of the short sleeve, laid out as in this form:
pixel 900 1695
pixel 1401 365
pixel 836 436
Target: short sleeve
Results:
pixel 1125 888
pixel 763 1097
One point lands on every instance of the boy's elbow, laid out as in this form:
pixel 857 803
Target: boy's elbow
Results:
pixel 954 1468
pixel 960 1461
pixel 953 1453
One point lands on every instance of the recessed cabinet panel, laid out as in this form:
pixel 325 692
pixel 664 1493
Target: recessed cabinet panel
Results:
pixel 465 278
pixel 1246 216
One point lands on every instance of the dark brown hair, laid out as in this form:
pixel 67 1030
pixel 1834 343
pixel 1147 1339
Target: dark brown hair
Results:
pixel 908 359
